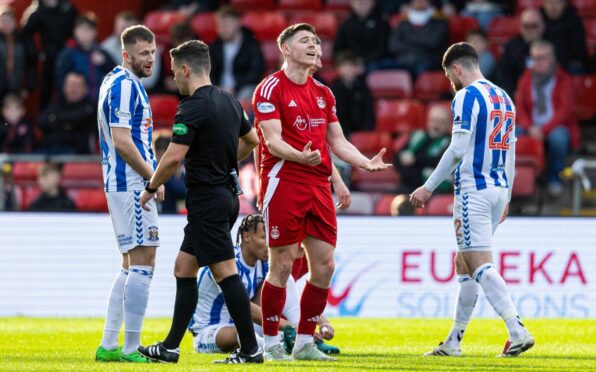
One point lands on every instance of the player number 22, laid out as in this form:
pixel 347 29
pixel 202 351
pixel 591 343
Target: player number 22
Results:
pixel 497 118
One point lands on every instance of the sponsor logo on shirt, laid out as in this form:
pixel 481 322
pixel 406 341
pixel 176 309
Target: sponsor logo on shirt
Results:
pixel 321 102
pixel 265 107
pixel 300 123
pixel 180 129
pixel 122 114
pixel 314 123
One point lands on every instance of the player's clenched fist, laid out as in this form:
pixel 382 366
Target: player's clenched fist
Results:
pixel 310 157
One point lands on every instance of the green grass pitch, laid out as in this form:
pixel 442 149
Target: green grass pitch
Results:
pixel 55 344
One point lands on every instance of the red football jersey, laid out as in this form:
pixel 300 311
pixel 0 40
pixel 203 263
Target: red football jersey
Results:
pixel 304 110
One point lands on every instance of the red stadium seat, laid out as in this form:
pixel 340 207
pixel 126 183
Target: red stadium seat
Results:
pixel 370 143
pixel 390 84
pixel 399 116
pixel 327 49
pixel 432 85
pixel 383 205
pixel 459 26
pixel 590 26
pixel 384 181
pixel 338 4
pixel 585 8
pixel 163 107
pixel 82 175
pixel 585 96
pixel 250 5
pixel 327 74
pixel 300 4
pixel 325 23
pixel 160 21
pixel 521 5
pixel 271 54
pixel 247 105
pixel 502 29
pixel 530 151
pixel 266 25
pixel 443 104
pixel 438 205
pixel 28 194
pixel 89 200
pixel 204 26
pixel 525 181
pixel 25 173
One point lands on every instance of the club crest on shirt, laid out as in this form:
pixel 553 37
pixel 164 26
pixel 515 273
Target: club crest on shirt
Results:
pixel 265 107
pixel 321 102
pixel 274 233
pixel 153 233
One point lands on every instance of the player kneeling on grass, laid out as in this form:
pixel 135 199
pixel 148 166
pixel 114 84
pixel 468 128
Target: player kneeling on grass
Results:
pixel 212 326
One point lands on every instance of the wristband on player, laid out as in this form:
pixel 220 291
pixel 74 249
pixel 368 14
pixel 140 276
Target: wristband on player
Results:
pixel 150 190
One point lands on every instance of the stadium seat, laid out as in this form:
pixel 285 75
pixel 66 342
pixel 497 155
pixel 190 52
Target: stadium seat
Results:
pixel 530 151
pixel 338 4
pixel 383 205
pixel 325 23
pixel 362 204
pixel 247 105
pixel 442 103
pixel 160 21
pixel 432 85
pixel 384 181
pixel 501 29
pixel 163 107
pixel 27 195
pixel 327 74
pixel 521 5
pixel 390 84
pixel 585 96
pixel 327 49
pixel 82 175
pixel 370 143
pixel 525 181
pixel 25 173
pixel 266 25
pixel 459 26
pixel 300 5
pixel 250 5
pixel 399 116
pixel 590 26
pixel 438 205
pixel 585 8
pixel 271 54
pixel 204 26
pixel 89 200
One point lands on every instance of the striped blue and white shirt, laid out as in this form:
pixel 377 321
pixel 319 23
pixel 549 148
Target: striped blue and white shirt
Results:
pixel 211 308
pixel 486 112
pixel 123 103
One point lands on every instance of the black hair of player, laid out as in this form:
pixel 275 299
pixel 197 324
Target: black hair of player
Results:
pixel 461 53
pixel 292 30
pixel 194 54
pixel 249 224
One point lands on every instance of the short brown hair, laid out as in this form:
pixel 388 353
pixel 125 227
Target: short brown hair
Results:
pixel 462 53
pixel 193 53
pixel 132 34
pixel 292 30
pixel 88 19
pixel 227 11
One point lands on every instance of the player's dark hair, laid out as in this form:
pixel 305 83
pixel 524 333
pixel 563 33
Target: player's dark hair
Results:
pixel 460 53
pixel 127 15
pixel 132 34
pixel 228 11
pixel 87 19
pixel 346 56
pixel 194 54
pixel 249 224
pixel 292 30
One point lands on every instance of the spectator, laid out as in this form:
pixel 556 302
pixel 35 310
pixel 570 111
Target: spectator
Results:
pixel 179 33
pixel 84 57
pixel 175 187
pixel 365 32
pixel 486 60
pixel 545 109
pixel 15 131
pixel 421 155
pixel 190 7
pixel 418 41
pixel 52 197
pixel 515 57
pixel 17 57
pixel 113 46
pixel 565 29
pixel 237 64
pixel 355 105
pixel 68 123
pixel 54 21
pixel 483 10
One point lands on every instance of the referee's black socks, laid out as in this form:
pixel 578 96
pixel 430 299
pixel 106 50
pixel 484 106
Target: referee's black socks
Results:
pixel 187 296
pixel 238 305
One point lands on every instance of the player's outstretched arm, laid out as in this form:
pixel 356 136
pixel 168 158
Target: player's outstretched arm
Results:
pixel 350 154
pixel 272 135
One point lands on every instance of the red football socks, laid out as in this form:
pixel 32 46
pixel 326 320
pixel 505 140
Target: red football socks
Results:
pixel 273 299
pixel 312 305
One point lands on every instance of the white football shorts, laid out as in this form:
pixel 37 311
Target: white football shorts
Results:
pixel 133 225
pixel 204 341
pixel 476 216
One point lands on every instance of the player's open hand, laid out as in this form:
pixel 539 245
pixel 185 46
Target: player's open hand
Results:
pixel 376 163
pixel 343 195
pixel 310 157
pixel 505 213
pixel 420 196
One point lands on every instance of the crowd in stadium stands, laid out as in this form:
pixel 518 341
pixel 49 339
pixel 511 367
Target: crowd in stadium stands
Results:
pixel 381 58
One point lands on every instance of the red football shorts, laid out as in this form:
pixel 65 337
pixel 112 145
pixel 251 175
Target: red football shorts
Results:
pixel 294 210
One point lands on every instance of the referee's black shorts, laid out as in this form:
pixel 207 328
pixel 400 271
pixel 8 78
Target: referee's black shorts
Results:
pixel 212 211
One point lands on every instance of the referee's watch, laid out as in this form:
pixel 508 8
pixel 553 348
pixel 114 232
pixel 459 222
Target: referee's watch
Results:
pixel 149 189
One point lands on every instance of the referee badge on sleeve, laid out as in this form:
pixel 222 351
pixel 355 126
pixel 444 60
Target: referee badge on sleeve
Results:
pixel 180 129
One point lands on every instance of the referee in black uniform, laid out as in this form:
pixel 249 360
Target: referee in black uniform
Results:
pixel 211 131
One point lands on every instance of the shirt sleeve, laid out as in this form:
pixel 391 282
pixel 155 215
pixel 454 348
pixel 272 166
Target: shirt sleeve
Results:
pixel 187 122
pixel 265 100
pixel 331 107
pixel 245 125
pixel 465 111
pixel 122 100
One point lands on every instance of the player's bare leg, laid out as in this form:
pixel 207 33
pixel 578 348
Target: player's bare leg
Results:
pixel 480 263
pixel 314 298
pixel 281 260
